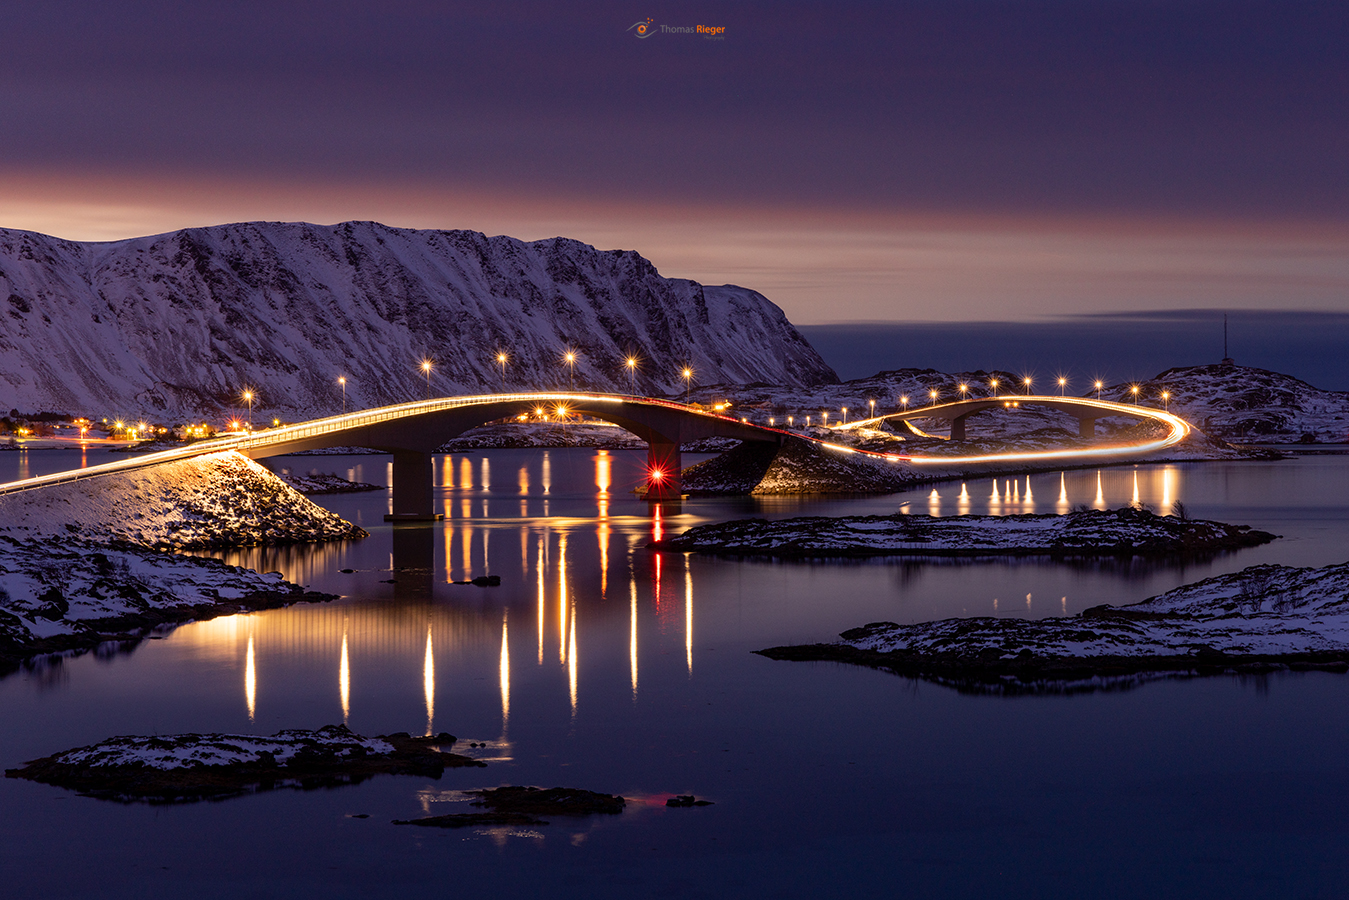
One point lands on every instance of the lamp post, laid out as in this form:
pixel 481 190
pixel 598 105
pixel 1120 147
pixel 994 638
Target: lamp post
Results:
pixel 1166 400
pixel 871 404
pixel 1098 389
pixel 631 363
pixel 427 366
pixel 570 359
pixel 904 403
pixel 964 389
pixel 688 384
pixel 502 359
pixel 342 382
pixel 248 398
pixel 1134 390
pixel 844 410
pixel 932 395
pixel 1026 381
pixel 993 384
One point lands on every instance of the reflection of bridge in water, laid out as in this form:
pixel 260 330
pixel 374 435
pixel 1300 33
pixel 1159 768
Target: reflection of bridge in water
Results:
pixel 411 433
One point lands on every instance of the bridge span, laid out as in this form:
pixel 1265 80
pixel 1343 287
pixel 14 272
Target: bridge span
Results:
pixel 411 432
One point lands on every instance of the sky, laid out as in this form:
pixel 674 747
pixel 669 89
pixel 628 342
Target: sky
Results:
pixel 953 161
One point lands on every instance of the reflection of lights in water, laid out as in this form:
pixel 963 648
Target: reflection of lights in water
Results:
pixel 603 471
pixel 1135 497
pixel 562 598
pixel 571 663
pixel 995 604
pixel 602 535
pixel 486 536
pixel 447 471
pixel 543 596
pixel 1064 604
pixel 250 681
pixel 993 498
pixel 465 474
pixel 934 503
pixel 547 473
pixel 505 673
pixel 1167 493
pixel 524 552
pixel 447 534
pixel 1028 601
pixel 486 474
pixel 963 501
pixel 632 631
pixel 1029 501
pixel 523 479
pixel 1062 506
pixel 688 613
pixel 1099 502
pixel 466 536
pixel 656 526
pixel 1016 491
pixel 344 679
pixel 429 682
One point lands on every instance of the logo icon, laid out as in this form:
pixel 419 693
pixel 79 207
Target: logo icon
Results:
pixel 642 30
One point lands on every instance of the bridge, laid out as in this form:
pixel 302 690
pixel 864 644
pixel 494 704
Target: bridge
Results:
pixel 1085 410
pixel 411 432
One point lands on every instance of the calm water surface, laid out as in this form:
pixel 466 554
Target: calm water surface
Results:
pixel 598 664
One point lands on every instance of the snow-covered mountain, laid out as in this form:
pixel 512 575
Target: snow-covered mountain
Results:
pixel 180 324
pixel 1240 403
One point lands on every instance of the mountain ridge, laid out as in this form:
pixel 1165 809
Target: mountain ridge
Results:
pixel 182 322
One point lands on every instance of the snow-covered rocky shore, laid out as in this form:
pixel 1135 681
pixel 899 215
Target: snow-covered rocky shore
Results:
pixel 181 768
pixel 90 561
pixel 70 594
pixel 213 501
pixel 1120 532
pixel 1259 619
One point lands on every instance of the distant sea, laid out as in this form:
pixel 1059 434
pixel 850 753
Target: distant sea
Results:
pixel 1312 346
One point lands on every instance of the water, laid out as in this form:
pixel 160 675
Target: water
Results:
pixel 597 664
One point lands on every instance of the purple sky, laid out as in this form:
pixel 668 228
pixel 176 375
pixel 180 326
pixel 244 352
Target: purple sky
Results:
pixel 890 161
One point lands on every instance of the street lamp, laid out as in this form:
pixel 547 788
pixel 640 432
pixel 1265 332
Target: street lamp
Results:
pixel 904 402
pixel 427 365
pixel 570 359
pixel 1098 389
pixel 872 405
pixel 1166 400
pixel 1063 383
pixel 1026 382
pixel 845 414
pixel 993 384
pixel 631 363
pixel 964 389
pixel 502 358
pixel 688 384
pixel 1134 390
pixel 342 380
pixel 932 394
pixel 248 398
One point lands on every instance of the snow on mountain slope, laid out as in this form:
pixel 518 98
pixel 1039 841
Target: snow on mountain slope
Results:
pixel 179 324
pixel 1240 403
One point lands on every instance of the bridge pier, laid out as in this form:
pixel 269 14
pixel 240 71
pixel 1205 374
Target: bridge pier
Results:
pixel 662 471
pixel 1086 428
pixel 413 488
pixel 958 427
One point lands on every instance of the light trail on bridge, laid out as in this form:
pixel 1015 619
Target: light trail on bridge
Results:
pixel 325 431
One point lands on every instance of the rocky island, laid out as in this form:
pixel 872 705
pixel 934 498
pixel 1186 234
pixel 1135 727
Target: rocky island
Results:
pixel 1259 619
pixel 1121 532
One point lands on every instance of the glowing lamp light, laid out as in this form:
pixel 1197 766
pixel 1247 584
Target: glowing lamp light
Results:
pixel 657 475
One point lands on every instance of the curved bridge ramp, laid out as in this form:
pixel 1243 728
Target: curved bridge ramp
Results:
pixel 411 432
